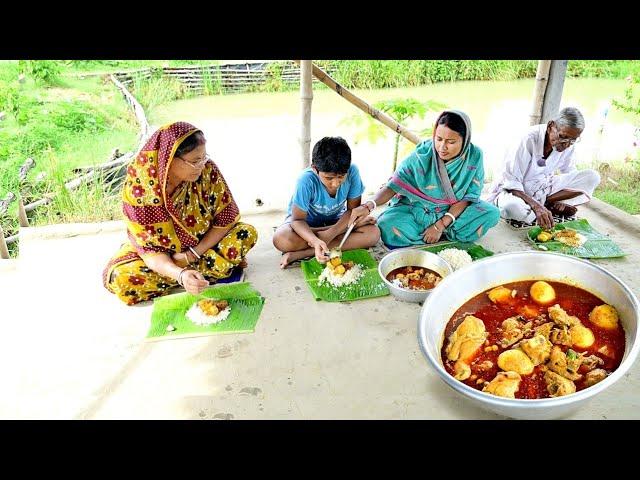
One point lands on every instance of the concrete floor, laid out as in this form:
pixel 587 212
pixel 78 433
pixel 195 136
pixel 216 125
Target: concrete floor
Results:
pixel 71 350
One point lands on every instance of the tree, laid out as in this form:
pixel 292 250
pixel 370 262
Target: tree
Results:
pixel 631 104
pixel 402 110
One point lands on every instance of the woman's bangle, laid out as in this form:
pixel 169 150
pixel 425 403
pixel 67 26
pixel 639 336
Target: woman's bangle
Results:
pixel 195 254
pixel 179 279
pixel 436 227
pixel 453 218
pixel 375 205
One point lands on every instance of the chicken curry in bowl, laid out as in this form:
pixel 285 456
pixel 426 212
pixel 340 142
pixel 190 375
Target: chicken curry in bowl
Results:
pixel 533 340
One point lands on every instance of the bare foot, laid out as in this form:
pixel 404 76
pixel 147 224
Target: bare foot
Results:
pixel 285 260
pixel 562 209
pixel 290 257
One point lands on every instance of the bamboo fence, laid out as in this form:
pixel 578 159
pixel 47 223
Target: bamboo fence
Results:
pixel 229 78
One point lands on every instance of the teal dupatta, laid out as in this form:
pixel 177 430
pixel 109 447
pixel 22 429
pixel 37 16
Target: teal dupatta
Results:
pixel 426 187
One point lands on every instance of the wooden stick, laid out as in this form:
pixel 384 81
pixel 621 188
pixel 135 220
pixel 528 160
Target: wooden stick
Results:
pixel 4 203
pixel 22 214
pixel 364 106
pixel 24 169
pixel 76 182
pixel 44 200
pixel 4 250
pixel 11 239
pixel 137 109
pixel 539 89
pixel 306 97
pixel 104 166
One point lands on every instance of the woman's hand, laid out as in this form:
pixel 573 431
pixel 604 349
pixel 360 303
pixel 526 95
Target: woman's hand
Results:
pixel 358 214
pixel 181 259
pixel 369 220
pixel 432 234
pixel 193 281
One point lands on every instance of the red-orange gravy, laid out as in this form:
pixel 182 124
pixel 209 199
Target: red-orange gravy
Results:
pixel 426 279
pixel 573 300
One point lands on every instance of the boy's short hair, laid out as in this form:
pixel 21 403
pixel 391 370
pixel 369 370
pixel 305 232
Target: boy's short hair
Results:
pixel 331 155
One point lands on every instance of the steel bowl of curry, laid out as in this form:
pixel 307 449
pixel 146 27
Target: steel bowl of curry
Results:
pixel 412 274
pixel 530 335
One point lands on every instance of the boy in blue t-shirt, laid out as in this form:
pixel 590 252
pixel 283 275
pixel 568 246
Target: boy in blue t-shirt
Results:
pixel 320 209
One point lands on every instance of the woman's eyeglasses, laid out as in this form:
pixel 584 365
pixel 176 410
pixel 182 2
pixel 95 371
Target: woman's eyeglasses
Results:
pixel 198 164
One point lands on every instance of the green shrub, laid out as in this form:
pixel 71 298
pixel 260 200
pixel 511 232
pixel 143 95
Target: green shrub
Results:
pixel 158 90
pixel 212 82
pixel 274 82
pixel 44 71
pixel 9 98
pixel 78 117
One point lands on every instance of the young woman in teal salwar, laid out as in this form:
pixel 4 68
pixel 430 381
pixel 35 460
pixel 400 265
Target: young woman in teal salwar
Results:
pixel 435 192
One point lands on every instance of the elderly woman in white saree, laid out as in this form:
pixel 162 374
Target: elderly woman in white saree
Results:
pixel 529 188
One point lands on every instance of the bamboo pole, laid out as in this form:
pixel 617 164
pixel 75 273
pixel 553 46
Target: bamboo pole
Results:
pixel 22 214
pixel 362 105
pixel 4 251
pixel 306 97
pixel 137 110
pixel 553 91
pixel 539 89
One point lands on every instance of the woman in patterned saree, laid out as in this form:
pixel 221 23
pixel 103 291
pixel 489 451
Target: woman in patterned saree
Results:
pixel 182 221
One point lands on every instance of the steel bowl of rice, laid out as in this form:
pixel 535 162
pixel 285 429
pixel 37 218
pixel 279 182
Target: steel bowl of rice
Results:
pixel 407 272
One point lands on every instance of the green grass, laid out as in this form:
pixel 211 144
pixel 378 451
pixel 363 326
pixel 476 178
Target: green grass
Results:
pixel 157 91
pixel 64 125
pixel 627 200
pixel 625 192
pixel 603 68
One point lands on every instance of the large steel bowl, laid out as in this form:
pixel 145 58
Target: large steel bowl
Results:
pixel 473 279
pixel 405 257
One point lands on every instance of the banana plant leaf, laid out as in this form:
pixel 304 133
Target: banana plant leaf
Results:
pixel 597 245
pixel 245 302
pixel 368 286
pixel 474 250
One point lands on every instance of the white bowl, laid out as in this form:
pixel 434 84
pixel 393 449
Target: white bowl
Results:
pixel 481 275
pixel 405 257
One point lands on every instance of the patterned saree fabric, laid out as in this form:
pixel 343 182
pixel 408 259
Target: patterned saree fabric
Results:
pixel 158 223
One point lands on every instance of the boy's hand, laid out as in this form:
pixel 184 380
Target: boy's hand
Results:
pixel 359 213
pixel 321 248
pixel 325 236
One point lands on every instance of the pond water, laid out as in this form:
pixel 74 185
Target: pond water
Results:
pixel 254 137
